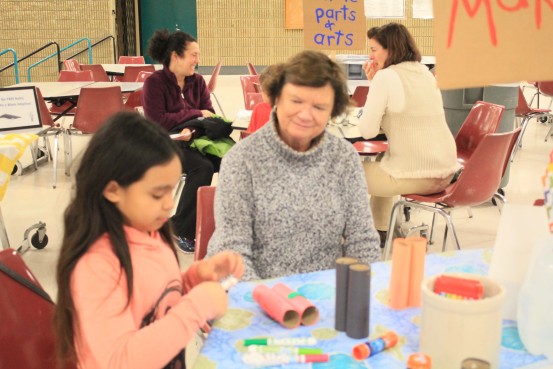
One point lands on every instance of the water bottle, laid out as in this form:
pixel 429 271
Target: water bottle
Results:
pixel 535 321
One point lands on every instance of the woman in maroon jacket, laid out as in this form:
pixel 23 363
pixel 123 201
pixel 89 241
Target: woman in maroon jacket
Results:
pixel 172 96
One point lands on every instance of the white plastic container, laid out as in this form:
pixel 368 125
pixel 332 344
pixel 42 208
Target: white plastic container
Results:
pixel 453 330
pixel 535 301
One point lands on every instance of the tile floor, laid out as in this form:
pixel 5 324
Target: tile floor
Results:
pixel 31 197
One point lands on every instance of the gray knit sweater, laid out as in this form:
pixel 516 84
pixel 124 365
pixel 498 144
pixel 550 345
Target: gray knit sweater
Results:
pixel 288 212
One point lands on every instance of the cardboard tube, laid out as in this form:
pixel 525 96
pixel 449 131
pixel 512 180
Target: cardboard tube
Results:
pixel 359 284
pixel 276 307
pixel 401 271
pixel 342 272
pixel 418 253
pixel 308 312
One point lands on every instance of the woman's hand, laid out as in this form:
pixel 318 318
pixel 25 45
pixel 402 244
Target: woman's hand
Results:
pixel 207 113
pixel 370 68
pixel 220 266
pixel 185 135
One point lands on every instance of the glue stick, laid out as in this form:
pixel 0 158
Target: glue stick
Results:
pixel 373 347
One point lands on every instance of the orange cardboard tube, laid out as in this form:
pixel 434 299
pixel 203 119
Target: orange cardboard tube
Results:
pixel 399 280
pixel 418 253
pixel 308 312
pixel 276 306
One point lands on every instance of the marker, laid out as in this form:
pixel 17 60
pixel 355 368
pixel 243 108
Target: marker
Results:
pixel 259 359
pixel 458 288
pixel 285 350
pixel 291 341
pixel 373 347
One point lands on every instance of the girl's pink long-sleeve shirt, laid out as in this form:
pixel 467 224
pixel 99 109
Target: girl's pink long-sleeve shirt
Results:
pixel 163 315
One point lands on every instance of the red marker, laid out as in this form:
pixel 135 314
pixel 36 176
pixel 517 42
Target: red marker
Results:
pixel 459 288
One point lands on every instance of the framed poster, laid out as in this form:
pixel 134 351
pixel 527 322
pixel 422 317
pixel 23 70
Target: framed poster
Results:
pixel 19 109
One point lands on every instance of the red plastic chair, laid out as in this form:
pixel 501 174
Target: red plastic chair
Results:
pixel 213 83
pixel 131 72
pixel 253 98
pixel 71 64
pixel 205 221
pixel 247 83
pixel 94 107
pixel 360 95
pixel 134 100
pixel 143 75
pixel 98 72
pixel 27 338
pixel 70 76
pixel 477 184
pixel 245 134
pixel 124 59
pixel 525 113
pixel 251 69
pixel 483 118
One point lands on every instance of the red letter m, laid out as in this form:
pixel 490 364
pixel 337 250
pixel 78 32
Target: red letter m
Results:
pixel 472 12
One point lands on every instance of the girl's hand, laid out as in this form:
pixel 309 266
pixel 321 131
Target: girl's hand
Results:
pixel 370 69
pixel 207 113
pixel 220 266
pixel 219 298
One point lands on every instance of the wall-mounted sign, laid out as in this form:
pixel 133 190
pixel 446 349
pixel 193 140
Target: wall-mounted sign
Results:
pixel 19 109
pixel 484 42
pixel 334 24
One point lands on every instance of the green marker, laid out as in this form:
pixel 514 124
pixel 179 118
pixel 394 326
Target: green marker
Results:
pixel 285 350
pixel 292 341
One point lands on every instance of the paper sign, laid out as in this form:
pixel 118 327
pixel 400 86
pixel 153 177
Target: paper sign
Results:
pixel 484 42
pixel 18 109
pixel 334 24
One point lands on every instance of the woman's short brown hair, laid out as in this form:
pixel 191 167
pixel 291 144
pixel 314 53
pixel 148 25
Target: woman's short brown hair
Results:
pixel 312 69
pixel 395 38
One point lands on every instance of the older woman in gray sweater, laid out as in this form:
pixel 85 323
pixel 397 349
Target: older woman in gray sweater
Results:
pixel 292 197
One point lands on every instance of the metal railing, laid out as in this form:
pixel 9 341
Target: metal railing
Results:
pixel 96 43
pixel 58 55
pixel 14 64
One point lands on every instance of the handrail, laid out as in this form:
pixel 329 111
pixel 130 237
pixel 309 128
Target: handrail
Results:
pixel 33 53
pixel 16 67
pixel 96 43
pixel 58 54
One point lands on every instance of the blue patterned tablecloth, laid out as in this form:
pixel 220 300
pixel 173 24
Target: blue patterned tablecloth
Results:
pixel 245 319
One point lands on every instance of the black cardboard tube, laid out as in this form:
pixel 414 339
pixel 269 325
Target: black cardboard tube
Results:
pixel 359 284
pixel 342 271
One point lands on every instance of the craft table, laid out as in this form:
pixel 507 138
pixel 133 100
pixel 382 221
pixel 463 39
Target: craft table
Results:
pixel 245 319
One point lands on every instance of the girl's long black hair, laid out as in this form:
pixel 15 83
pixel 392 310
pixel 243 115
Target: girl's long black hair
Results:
pixel 122 150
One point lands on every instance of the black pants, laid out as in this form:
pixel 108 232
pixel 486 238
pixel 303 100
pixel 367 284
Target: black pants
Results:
pixel 199 171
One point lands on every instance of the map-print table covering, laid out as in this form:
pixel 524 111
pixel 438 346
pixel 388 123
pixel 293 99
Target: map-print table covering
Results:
pixel 245 319
pixel 12 147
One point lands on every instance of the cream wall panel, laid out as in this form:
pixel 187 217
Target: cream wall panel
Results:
pixel 28 25
pixel 239 31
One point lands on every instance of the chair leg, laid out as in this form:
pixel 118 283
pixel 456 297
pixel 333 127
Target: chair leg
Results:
pixel 68 152
pixel 390 235
pixel 34 152
pixel 500 201
pixel 447 218
pixel 469 211
pixel 218 104
pixel 178 191
pixel 46 146
pixel 430 238
pixel 3 233
pixel 550 132
pixel 518 143
pixel 56 149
